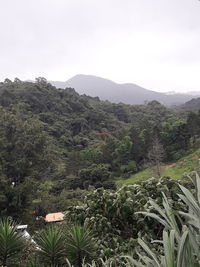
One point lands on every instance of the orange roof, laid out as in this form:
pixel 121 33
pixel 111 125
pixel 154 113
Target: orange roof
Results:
pixel 54 217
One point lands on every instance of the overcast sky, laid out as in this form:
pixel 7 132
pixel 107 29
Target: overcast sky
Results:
pixel 153 43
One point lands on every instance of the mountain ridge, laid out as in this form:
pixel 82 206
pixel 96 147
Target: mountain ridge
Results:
pixel 128 93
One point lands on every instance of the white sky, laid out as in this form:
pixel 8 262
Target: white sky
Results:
pixel 153 43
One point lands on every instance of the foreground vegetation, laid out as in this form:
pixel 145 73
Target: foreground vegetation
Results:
pixel 112 231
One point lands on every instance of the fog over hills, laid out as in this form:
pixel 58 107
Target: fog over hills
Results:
pixel 192 105
pixel 127 93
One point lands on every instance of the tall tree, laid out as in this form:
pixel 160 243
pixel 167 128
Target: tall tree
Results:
pixel 156 155
pixel 24 157
pixel 193 125
pixel 122 152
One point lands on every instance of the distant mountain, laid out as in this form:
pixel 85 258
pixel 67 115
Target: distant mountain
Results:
pixel 192 105
pixel 127 93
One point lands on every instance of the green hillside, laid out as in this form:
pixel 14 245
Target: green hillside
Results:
pixel 176 170
pixel 56 144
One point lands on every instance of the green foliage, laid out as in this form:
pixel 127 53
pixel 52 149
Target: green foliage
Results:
pixel 181 237
pixel 175 137
pixel 122 152
pixel 66 141
pixel 49 201
pixel 24 159
pixel 96 175
pixel 91 155
pixel 107 151
pixel 23 147
pixel 80 245
pixel 34 263
pixel 193 124
pixel 111 214
pixel 51 243
pixel 113 224
pixel 129 168
pixel 53 141
pixel 11 242
pixel 179 170
pixel 56 243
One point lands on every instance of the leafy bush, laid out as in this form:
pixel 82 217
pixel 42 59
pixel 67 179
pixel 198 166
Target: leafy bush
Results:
pixel 129 168
pixel 111 214
pixel 95 175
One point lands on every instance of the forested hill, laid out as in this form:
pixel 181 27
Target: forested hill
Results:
pixel 127 93
pixel 192 105
pixel 67 115
pixel 54 140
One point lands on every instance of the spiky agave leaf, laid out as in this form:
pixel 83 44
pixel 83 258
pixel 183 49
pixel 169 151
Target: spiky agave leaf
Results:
pixel 169 248
pixel 133 262
pixel 167 216
pixel 182 261
pixel 191 201
pixel 51 243
pixel 150 253
pixel 172 216
pixel 192 217
pixel 181 245
pixel 80 245
pixel 101 262
pixel 11 241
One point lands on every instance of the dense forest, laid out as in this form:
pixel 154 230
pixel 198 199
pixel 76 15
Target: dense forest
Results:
pixel 61 151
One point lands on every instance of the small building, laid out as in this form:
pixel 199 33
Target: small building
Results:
pixel 54 217
pixel 22 229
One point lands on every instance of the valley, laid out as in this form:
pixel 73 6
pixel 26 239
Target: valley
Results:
pixel 95 162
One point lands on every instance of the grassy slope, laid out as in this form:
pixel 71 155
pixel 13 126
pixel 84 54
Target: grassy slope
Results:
pixel 184 166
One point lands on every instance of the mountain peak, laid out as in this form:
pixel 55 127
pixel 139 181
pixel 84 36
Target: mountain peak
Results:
pixel 90 78
pixel 127 93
